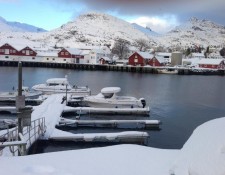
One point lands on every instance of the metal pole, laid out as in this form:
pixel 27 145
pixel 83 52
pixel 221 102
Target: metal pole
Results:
pixel 20 127
pixel 19 79
pixel 66 94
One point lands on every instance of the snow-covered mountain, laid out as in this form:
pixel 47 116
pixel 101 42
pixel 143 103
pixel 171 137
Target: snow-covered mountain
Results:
pixel 195 32
pixel 95 29
pixel 6 26
pixel 102 29
pixel 145 30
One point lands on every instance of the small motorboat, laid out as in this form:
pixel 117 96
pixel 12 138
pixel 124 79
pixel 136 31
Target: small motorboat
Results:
pixel 25 91
pixel 108 98
pixel 61 85
pixel 168 71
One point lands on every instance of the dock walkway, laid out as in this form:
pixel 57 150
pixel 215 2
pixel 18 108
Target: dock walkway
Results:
pixel 50 112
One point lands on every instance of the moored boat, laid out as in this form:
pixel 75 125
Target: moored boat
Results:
pixel 168 71
pixel 108 98
pixel 25 91
pixel 61 85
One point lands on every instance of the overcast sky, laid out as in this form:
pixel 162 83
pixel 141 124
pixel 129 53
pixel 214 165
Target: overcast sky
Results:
pixel 160 15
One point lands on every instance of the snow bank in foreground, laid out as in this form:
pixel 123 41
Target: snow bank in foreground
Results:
pixel 113 160
pixel 204 152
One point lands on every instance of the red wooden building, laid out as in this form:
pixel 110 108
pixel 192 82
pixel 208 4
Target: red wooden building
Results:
pixel 27 51
pixel 156 61
pixel 211 63
pixel 139 58
pixel 70 53
pixel 7 49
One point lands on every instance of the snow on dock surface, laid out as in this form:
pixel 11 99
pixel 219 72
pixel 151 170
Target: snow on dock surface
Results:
pixel 90 137
pixel 51 109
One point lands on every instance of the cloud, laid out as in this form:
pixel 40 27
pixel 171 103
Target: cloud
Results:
pixel 157 24
pixel 182 9
pixel 153 7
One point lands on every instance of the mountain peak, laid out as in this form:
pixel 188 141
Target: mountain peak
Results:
pixel 2 19
pixel 7 26
pixel 194 19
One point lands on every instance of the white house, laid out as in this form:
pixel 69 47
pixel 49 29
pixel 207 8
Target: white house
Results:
pixel 97 54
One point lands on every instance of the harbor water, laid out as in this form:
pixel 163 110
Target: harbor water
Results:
pixel 180 102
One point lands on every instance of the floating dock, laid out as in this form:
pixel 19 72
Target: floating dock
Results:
pixel 12 102
pixel 140 124
pixel 125 137
pixel 8 109
pixel 115 111
pixel 7 123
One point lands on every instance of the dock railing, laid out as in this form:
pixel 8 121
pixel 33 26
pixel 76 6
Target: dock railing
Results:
pixel 18 143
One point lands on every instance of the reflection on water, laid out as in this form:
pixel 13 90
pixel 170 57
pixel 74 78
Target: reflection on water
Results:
pixel 181 102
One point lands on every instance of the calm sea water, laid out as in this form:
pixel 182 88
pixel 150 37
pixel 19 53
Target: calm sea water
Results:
pixel 180 102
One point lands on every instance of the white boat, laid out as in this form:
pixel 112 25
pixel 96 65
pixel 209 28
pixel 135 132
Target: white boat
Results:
pixel 167 71
pixel 25 91
pixel 61 85
pixel 108 98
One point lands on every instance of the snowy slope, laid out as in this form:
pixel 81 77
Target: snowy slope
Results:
pixel 100 29
pixel 195 32
pixel 96 28
pixel 6 26
pixel 147 31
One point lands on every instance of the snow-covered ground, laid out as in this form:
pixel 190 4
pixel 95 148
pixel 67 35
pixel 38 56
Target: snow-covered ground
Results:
pixel 203 153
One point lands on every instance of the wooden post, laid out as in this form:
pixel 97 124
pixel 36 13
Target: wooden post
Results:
pixel 66 94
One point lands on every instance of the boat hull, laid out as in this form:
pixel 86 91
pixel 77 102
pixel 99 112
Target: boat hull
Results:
pixel 12 96
pixel 50 92
pixel 99 104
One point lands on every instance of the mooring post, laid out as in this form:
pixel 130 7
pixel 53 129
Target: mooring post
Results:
pixel 20 99
pixel 23 113
pixel 66 93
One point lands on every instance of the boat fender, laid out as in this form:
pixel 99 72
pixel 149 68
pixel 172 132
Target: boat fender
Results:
pixel 143 102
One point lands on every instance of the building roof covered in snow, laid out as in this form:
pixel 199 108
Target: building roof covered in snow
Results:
pixel 146 55
pixel 210 61
pixel 74 51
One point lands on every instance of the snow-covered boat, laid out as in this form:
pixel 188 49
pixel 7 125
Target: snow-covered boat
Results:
pixel 25 91
pixel 61 85
pixel 167 71
pixel 108 98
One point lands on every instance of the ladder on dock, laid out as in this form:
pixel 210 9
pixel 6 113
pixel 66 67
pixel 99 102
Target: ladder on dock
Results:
pixel 17 143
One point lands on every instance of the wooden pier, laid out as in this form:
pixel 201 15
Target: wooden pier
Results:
pixel 99 67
